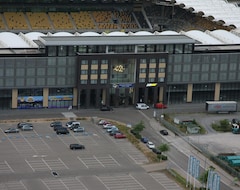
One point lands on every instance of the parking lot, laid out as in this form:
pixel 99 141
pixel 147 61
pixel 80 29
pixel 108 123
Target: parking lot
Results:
pixel 41 159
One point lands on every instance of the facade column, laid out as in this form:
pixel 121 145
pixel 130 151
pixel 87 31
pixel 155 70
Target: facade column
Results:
pixel 160 96
pixel 75 95
pixel 217 91
pixel 14 98
pixel 104 96
pixel 146 96
pixel 98 100
pixel 189 93
pixel 87 98
pixel 45 97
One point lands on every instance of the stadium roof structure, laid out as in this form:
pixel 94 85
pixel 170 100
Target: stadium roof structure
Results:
pixel 216 10
pixel 28 40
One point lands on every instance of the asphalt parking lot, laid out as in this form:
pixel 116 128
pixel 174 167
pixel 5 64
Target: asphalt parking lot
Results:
pixel 29 160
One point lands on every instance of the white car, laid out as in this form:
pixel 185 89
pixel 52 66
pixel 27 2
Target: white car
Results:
pixel 108 126
pixel 70 124
pixel 150 145
pixel 142 106
pixel 78 129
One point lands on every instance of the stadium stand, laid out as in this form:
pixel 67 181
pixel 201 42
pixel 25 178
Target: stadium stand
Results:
pixel 83 20
pixel 16 20
pixel 39 21
pixel 61 20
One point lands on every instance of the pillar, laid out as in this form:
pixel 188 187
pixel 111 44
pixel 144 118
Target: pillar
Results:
pixel 45 97
pixel 75 97
pixel 14 98
pixel 217 91
pixel 189 93
pixel 160 97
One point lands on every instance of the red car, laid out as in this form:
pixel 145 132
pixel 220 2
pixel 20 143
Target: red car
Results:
pixel 160 106
pixel 119 136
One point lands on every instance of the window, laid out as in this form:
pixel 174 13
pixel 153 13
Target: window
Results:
pixel 151 79
pixel 186 68
pixel 104 71
pixel 152 70
pixel 213 76
pixel 179 48
pixel 103 81
pixel 94 71
pixel 142 80
pixel 214 67
pixel 40 71
pixel 205 67
pixel 94 62
pixel 161 79
pixel 52 51
pixel 84 72
pixel 160 48
pixel 83 81
pixel 104 62
pixel 143 70
pixel 84 62
pixel 143 61
pixel 162 60
pixel 31 72
pixel 161 70
pixel 188 48
pixel 153 61
pixel 20 72
pixel 93 81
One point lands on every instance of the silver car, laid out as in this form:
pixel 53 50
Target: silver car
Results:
pixel 78 129
pixel 26 128
pixel 11 130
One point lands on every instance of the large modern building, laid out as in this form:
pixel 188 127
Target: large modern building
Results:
pixel 55 69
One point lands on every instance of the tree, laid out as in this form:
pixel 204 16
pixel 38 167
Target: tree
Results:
pixel 163 148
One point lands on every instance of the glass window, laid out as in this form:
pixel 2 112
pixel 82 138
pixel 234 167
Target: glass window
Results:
pixel 223 67
pixel 206 58
pixel 52 61
pixel 160 48
pixel 232 76
pixel 223 58
pixel 142 80
pixel 51 71
pixel 205 67
pixel 179 48
pixel 178 58
pixel 161 70
pixel 93 81
pixel 103 81
pixel 143 70
pixel 151 79
pixel 162 60
pixel 84 72
pixel 83 81
pixel 187 58
pixel 141 48
pixel 186 68
pixel 143 61
pixel 51 81
pixel 104 61
pixel 161 79
pixel 185 77
pixel 196 67
pixel 9 82
pixel 30 81
pixel 52 50
pixel 20 72
pixel 233 58
pixel 72 50
pixel 188 48
pixel 82 49
pixel 9 72
pixel 62 51
pixel 213 76
pixel 104 71
pixel 62 61
pixel 94 71
pixel 31 72
pixel 232 66
pixel 40 81
pixel 176 77
pixel 222 76
pixel 204 77
pixel 61 81
pixel 20 82
pixel 40 71
pixel 150 48
pixel 177 68
pixel 195 77
pixel 152 70
pixel 169 48
pixel 153 61
pixel 214 67
pixel 94 62
pixel 84 62
pixel 61 71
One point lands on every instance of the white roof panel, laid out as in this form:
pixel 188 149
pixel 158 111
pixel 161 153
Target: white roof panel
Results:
pixel 227 37
pixel 12 40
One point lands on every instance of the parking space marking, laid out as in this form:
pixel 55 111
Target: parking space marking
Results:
pixel 64 184
pixel 121 181
pixel 136 155
pixel 5 168
pixel 69 115
pixel 165 181
pixel 96 162
pixel 43 165
pixel 13 185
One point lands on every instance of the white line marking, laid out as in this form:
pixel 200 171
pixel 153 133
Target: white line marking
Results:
pixel 114 160
pixel 82 162
pixel 137 181
pixel 8 166
pixel 63 163
pixel 98 161
pixel 30 165
pixel 46 164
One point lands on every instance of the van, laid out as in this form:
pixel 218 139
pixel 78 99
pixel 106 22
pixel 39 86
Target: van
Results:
pixel 27 128
pixel 142 106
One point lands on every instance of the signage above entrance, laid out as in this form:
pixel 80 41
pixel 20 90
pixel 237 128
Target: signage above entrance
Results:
pixel 123 85
pixel 151 84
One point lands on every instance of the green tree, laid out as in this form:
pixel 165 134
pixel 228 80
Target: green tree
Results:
pixel 139 127
pixel 163 148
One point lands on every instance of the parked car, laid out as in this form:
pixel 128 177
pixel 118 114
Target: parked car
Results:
pixel 74 126
pixel 11 130
pixel 106 108
pixel 160 106
pixel 21 124
pixel 150 145
pixel 164 132
pixel 114 132
pixel 108 126
pixel 55 123
pixel 113 128
pixel 55 127
pixel 119 136
pixel 103 122
pixel 76 146
pixel 78 129
pixel 62 130
pixel 156 151
pixel 142 106
pixel 69 124
pixel 27 128
pixel 144 139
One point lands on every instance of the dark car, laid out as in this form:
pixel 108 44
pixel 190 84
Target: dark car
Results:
pixel 156 151
pixel 76 146
pixel 144 139
pixel 21 124
pixel 55 123
pixel 106 108
pixel 55 127
pixel 164 132
pixel 62 130
pixel 11 130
